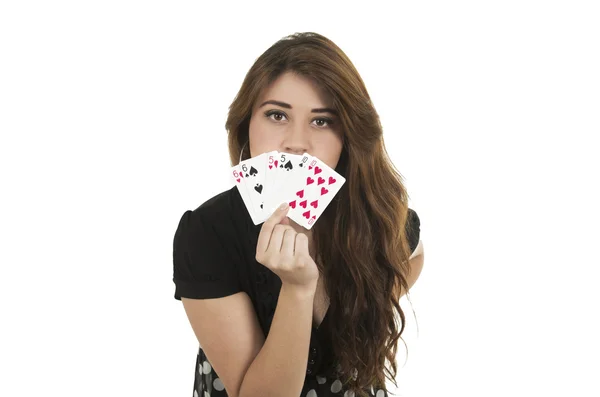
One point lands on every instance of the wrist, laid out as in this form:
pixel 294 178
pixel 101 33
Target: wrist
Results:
pixel 300 291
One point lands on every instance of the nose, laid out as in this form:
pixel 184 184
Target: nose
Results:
pixel 296 139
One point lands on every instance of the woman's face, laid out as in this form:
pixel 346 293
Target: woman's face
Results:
pixel 297 123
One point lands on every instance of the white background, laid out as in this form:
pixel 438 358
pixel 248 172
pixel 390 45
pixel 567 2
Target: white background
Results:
pixel 112 113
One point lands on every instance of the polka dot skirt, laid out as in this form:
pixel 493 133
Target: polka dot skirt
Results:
pixel 208 384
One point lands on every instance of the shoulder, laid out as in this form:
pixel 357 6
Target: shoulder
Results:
pixel 205 264
pixel 413 229
pixel 413 218
pixel 223 203
pixel 222 212
pixel 221 217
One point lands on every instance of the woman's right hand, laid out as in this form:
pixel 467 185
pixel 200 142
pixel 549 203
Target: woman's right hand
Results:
pixel 285 252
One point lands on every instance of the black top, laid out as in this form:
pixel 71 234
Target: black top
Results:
pixel 214 250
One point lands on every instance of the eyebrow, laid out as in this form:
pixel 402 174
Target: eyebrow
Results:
pixel 288 106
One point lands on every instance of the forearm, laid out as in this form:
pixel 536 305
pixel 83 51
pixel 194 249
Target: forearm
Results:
pixel 279 369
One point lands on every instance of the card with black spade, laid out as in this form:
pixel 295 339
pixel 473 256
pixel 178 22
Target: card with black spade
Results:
pixel 287 166
pixel 238 179
pixel 254 170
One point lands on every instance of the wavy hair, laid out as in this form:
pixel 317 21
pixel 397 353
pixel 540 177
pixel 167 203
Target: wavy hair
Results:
pixel 361 238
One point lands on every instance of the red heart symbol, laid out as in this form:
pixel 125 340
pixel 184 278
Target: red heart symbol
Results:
pixel 317 170
pixel 323 190
pixel 306 214
pixel 321 181
pixel 238 180
pixel 315 204
pixel 276 161
pixel 303 204
pixel 309 180
pixel 300 193
pixel 310 167
pixel 270 166
pixel 241 175
pixel 332 180
pixel 293 204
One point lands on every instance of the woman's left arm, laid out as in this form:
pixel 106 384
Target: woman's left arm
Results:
pixel 416 265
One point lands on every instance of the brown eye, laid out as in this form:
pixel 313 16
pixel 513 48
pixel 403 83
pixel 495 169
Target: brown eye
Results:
pixel 329 122
pixel 274 113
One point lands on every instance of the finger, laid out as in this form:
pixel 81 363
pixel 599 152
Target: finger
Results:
pixel 276 239
pixel 267 228
pixel 301 247
pixel 289 241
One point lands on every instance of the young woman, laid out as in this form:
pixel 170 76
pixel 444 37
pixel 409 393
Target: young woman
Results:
pixel 280 310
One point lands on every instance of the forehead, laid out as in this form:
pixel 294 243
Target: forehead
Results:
pixel 298 91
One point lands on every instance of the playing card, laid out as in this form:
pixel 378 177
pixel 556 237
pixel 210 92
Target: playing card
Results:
pixel 253 170
pixel 237 178
pixel 292 189
pixel 320 184
pixel 272 161
pixel 288 165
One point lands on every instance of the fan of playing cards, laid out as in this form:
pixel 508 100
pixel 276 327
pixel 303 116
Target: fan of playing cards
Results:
pixel 304 181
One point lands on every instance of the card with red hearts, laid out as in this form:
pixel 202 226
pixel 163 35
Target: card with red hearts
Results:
pixel 314 190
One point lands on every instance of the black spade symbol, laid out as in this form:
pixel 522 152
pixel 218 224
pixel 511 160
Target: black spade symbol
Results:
pixel 253 171
pixel 258 188
pixel 261 204
pixel 289 166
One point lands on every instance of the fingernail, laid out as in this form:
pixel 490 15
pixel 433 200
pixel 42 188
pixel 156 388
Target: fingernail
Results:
pixel 283 206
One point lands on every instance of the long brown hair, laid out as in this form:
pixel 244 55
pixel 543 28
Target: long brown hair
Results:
pixel 361 238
